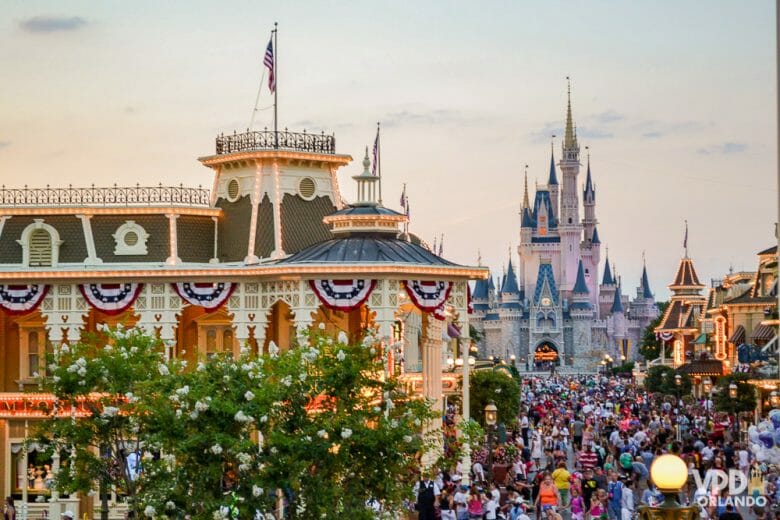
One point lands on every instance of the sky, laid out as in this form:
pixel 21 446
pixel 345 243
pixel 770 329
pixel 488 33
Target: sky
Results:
pixel 676 102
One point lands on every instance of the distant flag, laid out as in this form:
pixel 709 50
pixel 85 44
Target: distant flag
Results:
pixel 434 246
pixel 376 152
pixel 269 62
pixel 685 240
pixel 403 197
pixel 441 245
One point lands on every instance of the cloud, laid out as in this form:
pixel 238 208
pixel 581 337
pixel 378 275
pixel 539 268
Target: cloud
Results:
pixel 723 149
pixel 4 144
pixel 652 135
pixel 655 129
pixel 593 133
pixel 426 118
pixel 50 24
pixel 610 116
pixel 583 132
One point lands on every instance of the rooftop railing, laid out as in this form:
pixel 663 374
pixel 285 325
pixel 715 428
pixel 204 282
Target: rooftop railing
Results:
pixel 276 140
pixel 105 196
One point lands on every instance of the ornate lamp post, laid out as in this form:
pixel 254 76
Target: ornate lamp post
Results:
pixel 733 391
pixel 678 383
pixel 669 473
pixel 774 399
pixel 491 418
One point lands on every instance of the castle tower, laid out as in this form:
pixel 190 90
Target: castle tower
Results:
pixel 589 203
pixel 606 290
pixel 569 226
pixel 510 312
pixel 552 184
pixel 581 312
pixel 619 324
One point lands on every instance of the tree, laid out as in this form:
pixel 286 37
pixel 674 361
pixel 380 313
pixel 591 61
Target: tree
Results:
pixel 106 381
pixel 650 348
pixel 626 367
pixel 497 386
pixel 662 379
pixel 746 394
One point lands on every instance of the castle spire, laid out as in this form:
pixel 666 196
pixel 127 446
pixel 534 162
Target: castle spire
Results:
pixel 552 179
pixel 590 192
pixel 646 292
pixel 607 279
pixel 569 139
pixel 617 303
pixel 526 204
pixel 580 287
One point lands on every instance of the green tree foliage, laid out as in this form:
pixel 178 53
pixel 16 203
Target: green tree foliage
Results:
pixel 623 368
pixel 661 379
pixel 650 348
pixel 319 422
pixel 746 394
pixel 497 386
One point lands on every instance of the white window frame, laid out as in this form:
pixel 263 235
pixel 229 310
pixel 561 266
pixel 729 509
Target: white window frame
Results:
pixel 219 324
pixel 24 241
pixel 24 350
pixel 120 248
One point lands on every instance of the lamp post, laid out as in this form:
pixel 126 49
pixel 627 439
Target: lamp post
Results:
pixel 491 418
pixel 465 406
pixel 707 387
pixel 733 391
pixel 678 384
pixel 774 399
pixel 669 474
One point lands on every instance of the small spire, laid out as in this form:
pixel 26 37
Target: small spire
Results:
pixel 526 204
pixel 569 139
pixel 552 179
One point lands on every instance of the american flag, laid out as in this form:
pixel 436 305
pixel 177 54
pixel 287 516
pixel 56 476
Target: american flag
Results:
pixel 403 197
pixel 376 153
pixel 269 62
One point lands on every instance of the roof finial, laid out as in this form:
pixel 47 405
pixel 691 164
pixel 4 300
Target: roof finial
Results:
pixel 644 261
pixel 526 204
pixel 479 258
pixel 685 240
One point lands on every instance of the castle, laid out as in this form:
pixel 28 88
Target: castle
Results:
pixel 553 310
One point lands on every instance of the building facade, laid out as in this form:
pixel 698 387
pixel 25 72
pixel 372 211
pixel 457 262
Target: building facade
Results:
pixel 552 308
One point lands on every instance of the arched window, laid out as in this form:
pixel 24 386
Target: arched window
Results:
pixel 40 245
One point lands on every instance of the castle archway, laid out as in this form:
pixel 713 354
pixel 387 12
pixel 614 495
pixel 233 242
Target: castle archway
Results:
pixel 546 355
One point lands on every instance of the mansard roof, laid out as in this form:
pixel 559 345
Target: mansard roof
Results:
pixel 686 277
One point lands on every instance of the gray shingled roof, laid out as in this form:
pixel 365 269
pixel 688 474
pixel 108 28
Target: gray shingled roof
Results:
pixel 366 249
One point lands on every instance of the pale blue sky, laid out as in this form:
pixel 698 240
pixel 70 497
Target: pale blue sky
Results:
pixel 675 98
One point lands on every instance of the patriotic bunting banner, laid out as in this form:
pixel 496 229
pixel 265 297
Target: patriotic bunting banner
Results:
pixel 210 296
pixel 469 304
pixel 666 336
pixel 21 299
pixel 342 295
pixel 438 313
pixel 428 296
pixel 111 298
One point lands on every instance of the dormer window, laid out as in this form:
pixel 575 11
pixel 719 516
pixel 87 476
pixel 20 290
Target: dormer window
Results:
pixel 130 239
pixel 40 245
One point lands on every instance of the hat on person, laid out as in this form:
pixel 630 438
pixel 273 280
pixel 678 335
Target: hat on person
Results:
pixel 464 487
pixel 456 478
pixel 68 514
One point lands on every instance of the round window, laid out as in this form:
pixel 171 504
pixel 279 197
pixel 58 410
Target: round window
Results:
pixel 131 238
pixel 232 189
pixel 306 188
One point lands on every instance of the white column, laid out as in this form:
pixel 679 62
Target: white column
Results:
pixel 2 223
pixel 432 390
pixel 278 249
pixel 251 257
pixel 86 226
pixel 173 257
pixel 215 259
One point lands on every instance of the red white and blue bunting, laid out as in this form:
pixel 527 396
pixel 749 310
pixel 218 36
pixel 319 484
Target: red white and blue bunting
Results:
pixel 342 295
pixel 428 296
pixel 665 336
pixel 210 296
pixel 21 299
pixel 469 304
pixel 111 298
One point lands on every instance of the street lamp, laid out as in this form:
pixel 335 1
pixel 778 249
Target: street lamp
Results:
pixel 450 363
pixel 513 358
pixel 669 474
pixel 472 361
pixel 707 385
pixel 733 391
pixel 491 414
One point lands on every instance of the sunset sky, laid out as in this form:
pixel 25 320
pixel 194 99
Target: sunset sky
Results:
pixel 676 100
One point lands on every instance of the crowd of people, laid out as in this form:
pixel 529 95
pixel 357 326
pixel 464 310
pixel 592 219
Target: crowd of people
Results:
pixel 581 448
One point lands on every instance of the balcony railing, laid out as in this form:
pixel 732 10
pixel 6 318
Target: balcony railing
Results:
pixel 105 196
pixel 276 140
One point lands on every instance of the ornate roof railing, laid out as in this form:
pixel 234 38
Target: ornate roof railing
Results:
pixel 276 140
pixel 105 196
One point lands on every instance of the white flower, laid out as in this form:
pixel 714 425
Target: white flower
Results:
pixel 148 456
pixel 394 423
pixel 498 390
pixel 200 406
pixel 341 356
pixel 193 415
pixel 257 491
pixel 219 514
pixel 52 367
pixel 174 398
pixel 274 450
pixel 170 506
pixel 150 512
pixel 407 438
pixel 273 349
pixel 372 351
pixel 242 417
pixel 216 449
pixel 321 326
pixel 343 338
pixel 244 458
pixel 64 349
pixel 110 411
pixel 201 367
pixel 178 413
pixel 56 379
pixel 287 380
pixel 183 390
pixel 264 418
pixel 82 371
pixel 130 397
pixel 249 395
pixel 307 438
pixel 377 409
pixel 322 434
pixel 346 433
pixel 163 369
pixel 302 376
pixel 81 362
pixel 244 467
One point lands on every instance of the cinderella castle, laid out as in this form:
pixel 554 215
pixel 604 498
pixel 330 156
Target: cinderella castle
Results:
pixel 552 309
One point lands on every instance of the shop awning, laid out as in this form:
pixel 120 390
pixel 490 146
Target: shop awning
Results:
pixel 739 336
pixel 763 333
pixel 701 340
pixel 703 367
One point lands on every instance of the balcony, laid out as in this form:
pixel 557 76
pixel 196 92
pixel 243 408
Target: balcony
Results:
pixel 104 196
pixel 276 140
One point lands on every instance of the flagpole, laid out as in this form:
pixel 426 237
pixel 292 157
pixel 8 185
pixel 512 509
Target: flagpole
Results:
pixel 276 84
pixel 379 160
pixel 257 100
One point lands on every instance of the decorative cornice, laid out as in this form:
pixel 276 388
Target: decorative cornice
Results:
pixel 212 161
pixel 122 210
